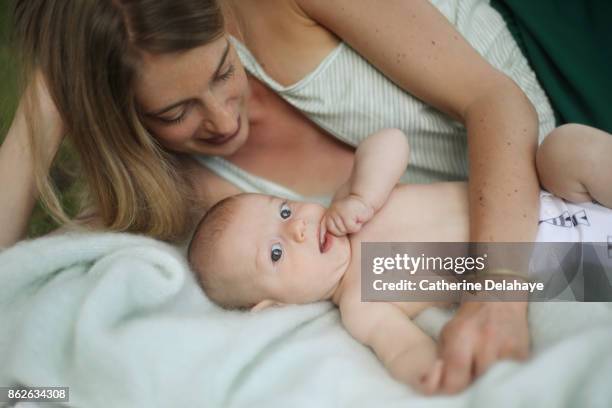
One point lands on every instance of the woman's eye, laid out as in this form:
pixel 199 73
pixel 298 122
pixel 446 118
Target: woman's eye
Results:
pixel 276 253
pixel 285 211
pixel 177 118
pixel 227 74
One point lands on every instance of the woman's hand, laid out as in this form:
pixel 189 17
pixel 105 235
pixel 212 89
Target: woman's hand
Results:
pixel 480 334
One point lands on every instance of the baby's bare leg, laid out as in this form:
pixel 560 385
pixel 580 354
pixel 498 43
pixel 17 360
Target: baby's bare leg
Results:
pixel 575 163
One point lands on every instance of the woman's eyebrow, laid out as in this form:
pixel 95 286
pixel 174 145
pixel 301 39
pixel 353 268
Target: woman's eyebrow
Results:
pixel 216 74
pixel 222 60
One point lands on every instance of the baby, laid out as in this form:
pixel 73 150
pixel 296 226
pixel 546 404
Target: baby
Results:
pixel 255 251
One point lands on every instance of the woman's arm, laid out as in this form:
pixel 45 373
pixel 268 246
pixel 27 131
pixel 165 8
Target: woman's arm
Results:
pixel 416 47
pixel 17 180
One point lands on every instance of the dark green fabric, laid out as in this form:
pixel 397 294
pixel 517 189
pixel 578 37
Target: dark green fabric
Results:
pixel 569 46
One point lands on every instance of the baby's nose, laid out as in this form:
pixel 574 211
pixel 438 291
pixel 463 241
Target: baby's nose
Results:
pixel 298 230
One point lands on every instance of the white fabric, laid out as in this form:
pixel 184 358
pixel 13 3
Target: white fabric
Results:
pixel 247 183
pixel 119 320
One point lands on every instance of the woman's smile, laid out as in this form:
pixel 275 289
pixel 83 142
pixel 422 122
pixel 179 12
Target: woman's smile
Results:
pixel 218 140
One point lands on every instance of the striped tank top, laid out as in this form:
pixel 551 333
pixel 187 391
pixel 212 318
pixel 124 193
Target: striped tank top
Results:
pixel 351 99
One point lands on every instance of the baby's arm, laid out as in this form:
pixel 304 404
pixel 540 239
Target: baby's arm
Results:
pixel 380 161
pixel 405 350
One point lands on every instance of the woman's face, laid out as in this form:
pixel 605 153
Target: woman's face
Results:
pixel 195 101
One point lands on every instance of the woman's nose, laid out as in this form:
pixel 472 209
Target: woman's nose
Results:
pixel 219 118
pixel 298 230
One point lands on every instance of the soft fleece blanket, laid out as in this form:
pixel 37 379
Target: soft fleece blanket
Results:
pixel 119 319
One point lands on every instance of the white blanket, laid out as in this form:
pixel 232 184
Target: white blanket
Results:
pixel 119 320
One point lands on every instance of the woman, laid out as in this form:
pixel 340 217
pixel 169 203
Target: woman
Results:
pixel 138 86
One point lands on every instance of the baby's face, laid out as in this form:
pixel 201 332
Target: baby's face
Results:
pixel 277 242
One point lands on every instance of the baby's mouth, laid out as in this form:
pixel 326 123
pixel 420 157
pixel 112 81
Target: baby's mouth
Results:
pixel 321 236
pixel 325 239
pixel 326 243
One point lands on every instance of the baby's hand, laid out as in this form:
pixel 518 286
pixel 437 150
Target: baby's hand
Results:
pixel 429 383
pixel 417 370
pixel 347 215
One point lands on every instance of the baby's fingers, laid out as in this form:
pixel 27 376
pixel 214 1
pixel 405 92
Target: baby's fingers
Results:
pixel 335 225
pixel 430 382
pixel 365 215
pixel 322 230
pixel 353 224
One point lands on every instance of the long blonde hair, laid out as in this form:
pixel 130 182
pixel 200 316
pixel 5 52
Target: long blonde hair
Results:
pixel 89 52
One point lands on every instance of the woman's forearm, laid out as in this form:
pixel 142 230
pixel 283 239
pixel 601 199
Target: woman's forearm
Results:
pixel 503 186
pixel 17 180
pixel 503 193
pixel 17 184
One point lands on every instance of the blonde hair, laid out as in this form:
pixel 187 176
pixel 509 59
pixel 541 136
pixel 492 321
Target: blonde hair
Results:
pixel 89 52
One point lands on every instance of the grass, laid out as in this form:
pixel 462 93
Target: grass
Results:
pixel 40 222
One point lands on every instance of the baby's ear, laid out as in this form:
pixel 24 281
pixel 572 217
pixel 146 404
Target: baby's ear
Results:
pixel 264 304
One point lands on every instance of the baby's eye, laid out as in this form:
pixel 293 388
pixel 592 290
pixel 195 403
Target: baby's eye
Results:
pixel 285 211
pixel 276 253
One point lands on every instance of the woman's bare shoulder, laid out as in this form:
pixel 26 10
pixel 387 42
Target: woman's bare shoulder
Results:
pixel 286 41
